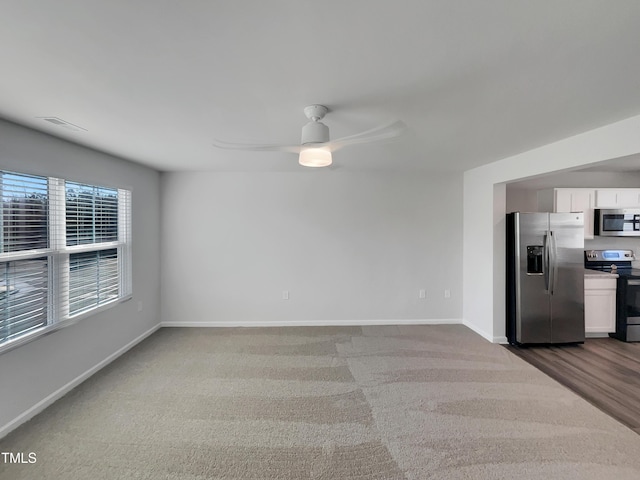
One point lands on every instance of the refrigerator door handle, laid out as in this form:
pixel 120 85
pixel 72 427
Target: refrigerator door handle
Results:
pixel 546 259
pixel 553 263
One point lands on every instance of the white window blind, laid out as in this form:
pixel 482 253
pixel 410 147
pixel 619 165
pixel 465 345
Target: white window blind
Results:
pixel 24 212
pixel 24 297
pixel 93 279
pixel 91 214
pixel 24 243
pixel 65 251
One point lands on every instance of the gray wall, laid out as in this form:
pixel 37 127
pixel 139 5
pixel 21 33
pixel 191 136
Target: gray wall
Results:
pixel 347 246
pixel 32 372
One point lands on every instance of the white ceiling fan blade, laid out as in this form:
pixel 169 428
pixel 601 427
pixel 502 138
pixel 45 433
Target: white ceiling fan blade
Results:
pixel 385 132
pixel 251 147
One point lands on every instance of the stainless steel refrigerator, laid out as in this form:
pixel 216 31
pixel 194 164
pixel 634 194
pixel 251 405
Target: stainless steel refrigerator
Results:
pixel 545 278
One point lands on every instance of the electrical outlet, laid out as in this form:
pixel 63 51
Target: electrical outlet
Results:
pixel 422 293
pixel 139 306
pixel 447 294
pixel 285 294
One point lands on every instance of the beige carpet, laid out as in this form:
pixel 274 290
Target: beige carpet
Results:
pixel 414 402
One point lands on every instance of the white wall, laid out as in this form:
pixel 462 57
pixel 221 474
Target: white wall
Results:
pixel 30 375
pixel 521 200
pixel 349 247
pixel 484 212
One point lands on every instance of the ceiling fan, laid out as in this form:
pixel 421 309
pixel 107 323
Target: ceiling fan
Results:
pixel 315 149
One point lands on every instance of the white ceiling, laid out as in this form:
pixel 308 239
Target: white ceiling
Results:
pixel 155 81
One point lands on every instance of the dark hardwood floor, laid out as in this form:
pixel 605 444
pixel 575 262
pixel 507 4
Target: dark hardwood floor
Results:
pixel 604 371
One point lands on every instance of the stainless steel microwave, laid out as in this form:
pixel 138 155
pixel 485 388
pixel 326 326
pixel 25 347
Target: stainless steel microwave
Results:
pixel 624 222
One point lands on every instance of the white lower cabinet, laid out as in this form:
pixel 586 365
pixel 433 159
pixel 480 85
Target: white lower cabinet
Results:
pixel 599 305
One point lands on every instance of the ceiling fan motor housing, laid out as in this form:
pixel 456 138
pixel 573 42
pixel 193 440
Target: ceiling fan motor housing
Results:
pixel 315 132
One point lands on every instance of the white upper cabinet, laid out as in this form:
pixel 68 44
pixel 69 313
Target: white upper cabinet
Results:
pixel 574 199
pixel 586 200
pixel 617 198
pixel 570 200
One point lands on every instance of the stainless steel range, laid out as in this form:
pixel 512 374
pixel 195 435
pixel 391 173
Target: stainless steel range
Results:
pixel 627 291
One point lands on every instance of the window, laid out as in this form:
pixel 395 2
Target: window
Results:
pixel 65 251
pixel 24 298
pixel 91 214
pixel 93 279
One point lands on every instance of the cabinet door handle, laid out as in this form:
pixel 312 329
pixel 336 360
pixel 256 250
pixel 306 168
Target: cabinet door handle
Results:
pixel 633 282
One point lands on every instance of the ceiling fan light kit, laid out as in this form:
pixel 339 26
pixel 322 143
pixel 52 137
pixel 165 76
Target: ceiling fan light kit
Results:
pixel 315 157
pixel 313 133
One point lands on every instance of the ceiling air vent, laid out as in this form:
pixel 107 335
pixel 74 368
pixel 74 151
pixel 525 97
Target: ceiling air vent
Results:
pixel 64 124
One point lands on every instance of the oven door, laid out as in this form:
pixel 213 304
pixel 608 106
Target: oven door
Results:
pixel 618 223
pixel 632 309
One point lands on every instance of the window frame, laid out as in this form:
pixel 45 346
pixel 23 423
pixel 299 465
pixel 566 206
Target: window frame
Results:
pixel 58 254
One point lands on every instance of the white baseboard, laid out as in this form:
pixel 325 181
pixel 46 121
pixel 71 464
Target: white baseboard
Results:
pixel 485 335
pixel 45 402
pixel 314 323
pixel 596 335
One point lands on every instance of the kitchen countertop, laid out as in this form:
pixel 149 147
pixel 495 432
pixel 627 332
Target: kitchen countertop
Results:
pixel 598 274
